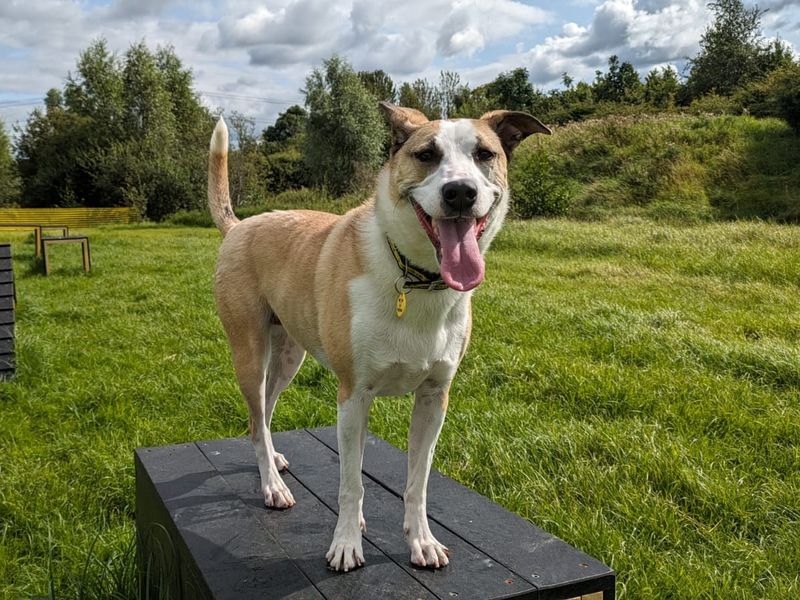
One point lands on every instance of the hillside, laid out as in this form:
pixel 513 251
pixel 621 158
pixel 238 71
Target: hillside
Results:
pixel 674 167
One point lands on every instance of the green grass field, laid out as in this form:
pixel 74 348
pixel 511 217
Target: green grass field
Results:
pixel 632 387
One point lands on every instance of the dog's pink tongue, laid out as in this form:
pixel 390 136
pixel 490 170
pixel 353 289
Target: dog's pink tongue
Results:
pixel 462 264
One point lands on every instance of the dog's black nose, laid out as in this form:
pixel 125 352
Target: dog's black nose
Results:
pixel 459 195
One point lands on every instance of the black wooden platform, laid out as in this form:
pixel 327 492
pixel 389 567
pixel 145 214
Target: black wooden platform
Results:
pixel 205 533
pixel 8 364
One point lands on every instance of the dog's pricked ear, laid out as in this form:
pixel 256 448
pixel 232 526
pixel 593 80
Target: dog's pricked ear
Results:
pixel 402 121
pixel 512 127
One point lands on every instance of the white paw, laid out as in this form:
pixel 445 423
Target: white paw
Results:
pixel 280 462
pixel 276 494
pixel 426 551
pixel 345 554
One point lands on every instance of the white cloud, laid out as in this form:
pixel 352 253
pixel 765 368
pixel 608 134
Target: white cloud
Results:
pixel 646 33
pixel 265 48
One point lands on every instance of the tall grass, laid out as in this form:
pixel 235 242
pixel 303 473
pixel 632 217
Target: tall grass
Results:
pixel 674 168
pixel 633 387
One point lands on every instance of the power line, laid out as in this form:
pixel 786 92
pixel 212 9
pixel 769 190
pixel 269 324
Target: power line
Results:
pixel 265 100
pixel 13 103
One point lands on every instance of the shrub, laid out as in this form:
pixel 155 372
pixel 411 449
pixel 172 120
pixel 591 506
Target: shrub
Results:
pixel 715 105
pixel 777 95
pixel 537 188
pixel 285 171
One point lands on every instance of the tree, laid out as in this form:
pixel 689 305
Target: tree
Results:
pixel 422 95
pixel 620 84
pixel 379 84
pixel 125 131
pixel 732 52
pixel 471 104
pixel 95 91
pixel 661 87
pixel 513 90
pixel 345 132
pixel 282 167
pixel 245 160
pixel 51 159
pixel 449 88
pixel 289 124
pixel 9 177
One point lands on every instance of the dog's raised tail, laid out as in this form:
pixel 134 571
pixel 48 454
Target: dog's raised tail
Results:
pixel 219 199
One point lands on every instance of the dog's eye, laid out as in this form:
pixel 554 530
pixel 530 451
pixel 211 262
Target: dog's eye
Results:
pixel 484 155
pixel 425 156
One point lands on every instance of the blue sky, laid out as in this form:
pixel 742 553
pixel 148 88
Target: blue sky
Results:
pixel 252 56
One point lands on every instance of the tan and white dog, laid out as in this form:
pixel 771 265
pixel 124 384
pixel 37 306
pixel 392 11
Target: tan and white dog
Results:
pixel 380 295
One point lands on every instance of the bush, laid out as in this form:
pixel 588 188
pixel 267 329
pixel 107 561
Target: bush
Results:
pixel 537 188
pixel 285 171
pixel 777 95
pixel 786 85
pixel 715 105
pixel 191 218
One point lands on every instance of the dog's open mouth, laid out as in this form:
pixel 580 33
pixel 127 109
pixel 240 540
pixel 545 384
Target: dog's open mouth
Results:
pixel 456 244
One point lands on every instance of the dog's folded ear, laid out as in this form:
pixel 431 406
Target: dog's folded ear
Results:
pixel 402 121
pixel 512 127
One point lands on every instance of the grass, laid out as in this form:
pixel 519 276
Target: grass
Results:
pixel 632 387
pixel 668 167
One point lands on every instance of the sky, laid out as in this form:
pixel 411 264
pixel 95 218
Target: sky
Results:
pixel 252 56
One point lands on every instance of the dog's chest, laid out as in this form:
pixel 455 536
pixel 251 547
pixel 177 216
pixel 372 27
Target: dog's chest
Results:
pixel 392 355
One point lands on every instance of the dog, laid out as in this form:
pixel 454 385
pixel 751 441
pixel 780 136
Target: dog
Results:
pixel 380 295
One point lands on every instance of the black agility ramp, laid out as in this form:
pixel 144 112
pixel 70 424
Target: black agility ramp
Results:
pixel 205 533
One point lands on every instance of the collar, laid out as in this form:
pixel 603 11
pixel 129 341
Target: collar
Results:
pixel 414 277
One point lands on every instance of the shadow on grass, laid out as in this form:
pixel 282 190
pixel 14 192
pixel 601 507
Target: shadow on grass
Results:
pixel 763 181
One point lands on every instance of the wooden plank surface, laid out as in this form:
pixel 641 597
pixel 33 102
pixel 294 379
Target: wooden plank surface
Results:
pixel 533 554
pixel 471 574
pixel 8 362
pixel 209 493
pixel 305 531
pixel 237 557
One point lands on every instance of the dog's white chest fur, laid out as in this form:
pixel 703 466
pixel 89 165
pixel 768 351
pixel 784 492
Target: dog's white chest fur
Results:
pixel 394 355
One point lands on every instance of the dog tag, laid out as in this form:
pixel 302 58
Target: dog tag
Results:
pixel 401 305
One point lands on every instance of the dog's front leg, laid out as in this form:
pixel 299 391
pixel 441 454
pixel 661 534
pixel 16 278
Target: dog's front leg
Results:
pixel 427 418
pixel 351 431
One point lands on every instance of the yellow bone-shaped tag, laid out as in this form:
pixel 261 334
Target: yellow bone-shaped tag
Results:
pixel 400 308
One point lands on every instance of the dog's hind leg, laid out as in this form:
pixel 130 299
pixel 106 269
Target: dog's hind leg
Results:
pixel 285 358
pixel 248 328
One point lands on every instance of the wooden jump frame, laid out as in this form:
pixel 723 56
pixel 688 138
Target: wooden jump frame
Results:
pixel 78 239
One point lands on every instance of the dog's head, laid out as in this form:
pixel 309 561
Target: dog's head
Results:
pixel 446 184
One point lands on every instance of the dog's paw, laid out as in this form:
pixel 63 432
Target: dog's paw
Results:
pixel 426 551
pixel 345 555
pixel 280 462
pixel 277 495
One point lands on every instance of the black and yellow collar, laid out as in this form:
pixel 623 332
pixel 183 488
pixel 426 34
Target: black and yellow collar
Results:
pixel 415 277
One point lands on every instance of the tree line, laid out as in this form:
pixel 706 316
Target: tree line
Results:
pixel 130 130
